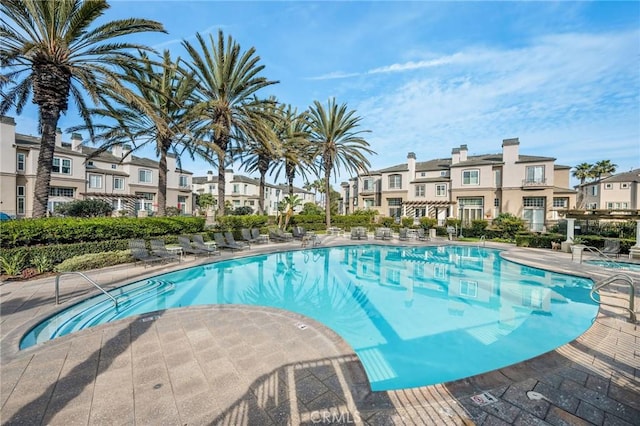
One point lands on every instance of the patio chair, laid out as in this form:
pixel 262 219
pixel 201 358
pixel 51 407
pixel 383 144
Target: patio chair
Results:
pixel 246 236
pixel 140 253
pixel 232 241
pixel 611 247
pixel 421 235
pixel 355 233
pixel 386 234
pixel 222 244
pixel 298 232
pixel 198 242
pixel 159 249
pixel 187 248
pixel 379 234
pixel 260 239
pixel 403 234
pixel 362 233
pixel 279 237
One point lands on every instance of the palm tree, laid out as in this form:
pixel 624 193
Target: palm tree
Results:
pixel 50 52
pixel 603 167
pixel 156 114
pixel 582 171
pixel 288 205
pixel 226 112
pixel 336 143
pixel 296 149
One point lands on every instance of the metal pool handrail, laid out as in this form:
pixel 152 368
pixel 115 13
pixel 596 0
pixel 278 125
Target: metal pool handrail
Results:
pixel 608 261
pixel 95 284
pixel 617 277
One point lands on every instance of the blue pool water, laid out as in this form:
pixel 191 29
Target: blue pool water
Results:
pixel 415 316
pixel 614 264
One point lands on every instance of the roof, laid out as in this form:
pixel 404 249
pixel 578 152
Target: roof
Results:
pixel 433 179
pixel 94 169
pixel 559 190
pixel 630 176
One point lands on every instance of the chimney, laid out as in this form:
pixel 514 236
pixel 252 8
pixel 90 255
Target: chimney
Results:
pixel 455 156
pixel 411 162
pixel 76 142
pixel 510 150
pixel 228 175
pixel 58 137
pixel 209 175
pixel 463 153
pixel 126 149
pixel 116 151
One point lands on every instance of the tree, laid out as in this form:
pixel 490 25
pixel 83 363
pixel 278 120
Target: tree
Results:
pixel 205 200
pixel 50 51
pixel 287 206
pixel 582 171
pixel 155 114
pixel 85 208
pixel 226 112
pixel 603 167
pixel 336 143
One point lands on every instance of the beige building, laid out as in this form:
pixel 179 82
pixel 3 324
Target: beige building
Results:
pixel 466 186
pixel 243 191
pixel 615 192
pixel 129 183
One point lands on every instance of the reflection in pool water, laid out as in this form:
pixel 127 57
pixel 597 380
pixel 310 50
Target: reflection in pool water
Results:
pixel 414 315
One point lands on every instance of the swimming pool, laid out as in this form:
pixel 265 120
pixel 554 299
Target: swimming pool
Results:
pixel 414 315
pixel 615 264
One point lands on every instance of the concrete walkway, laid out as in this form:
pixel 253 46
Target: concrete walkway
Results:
pixel 255 366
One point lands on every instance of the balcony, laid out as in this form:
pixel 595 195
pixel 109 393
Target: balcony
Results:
pixel 534 183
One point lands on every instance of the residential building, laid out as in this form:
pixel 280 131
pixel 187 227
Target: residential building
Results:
pixel 466 186
pixel 615 192
pixel 128 182
pixel 243 191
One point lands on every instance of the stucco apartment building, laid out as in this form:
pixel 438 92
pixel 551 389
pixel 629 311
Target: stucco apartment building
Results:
pixel 243 191
pixel 128 183
pixel 466 186
pixel 616 192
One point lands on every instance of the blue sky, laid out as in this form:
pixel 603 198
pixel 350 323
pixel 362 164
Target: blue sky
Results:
pixel 425 77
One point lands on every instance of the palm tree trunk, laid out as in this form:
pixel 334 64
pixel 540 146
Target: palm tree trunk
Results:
pixel 49 121
pixel 261 193
pixel 221 183
pixel 162 184
pixel 327 212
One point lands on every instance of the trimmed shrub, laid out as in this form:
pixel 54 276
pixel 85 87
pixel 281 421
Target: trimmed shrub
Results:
pixel 538 240
pixel 17 233
pixel 94 261
pixel 230 223
pixel 428 222
pixel 85 208
pixel 509 224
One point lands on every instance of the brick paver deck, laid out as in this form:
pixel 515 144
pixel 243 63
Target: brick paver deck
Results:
pixel 255 366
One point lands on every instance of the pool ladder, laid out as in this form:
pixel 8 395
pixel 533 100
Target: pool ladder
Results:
pixel 617 277
pixel 95 284
pixel 611 263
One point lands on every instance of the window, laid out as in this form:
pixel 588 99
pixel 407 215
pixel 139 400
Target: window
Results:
pixel 441 190
pixel 423 174
pixel 534 174
pixel 420 212
pixel 534 212
pixel 395 182
pixel 367 185
pixel 368 203
pixel 182 203
pixel 211 189
pixel 20 199
pixel 118 183
pixel 617 205
pixel 236 188
pixel 144 176
pixel 21 161
pixel 444 173
pixel 89 163
pixel 56 191
pixel 608 186
pixel 113 166
pixel 419 190
pixel 61 165
pixel 593 190
pixel 497 177
pixel 95 181
pixel 496 202
pixel 184 182
pixel 624 185
pixel 395 207
pixel 471 177
pixel 469 288
pixel 533 201
pixel 471 209
pixel 561 203
pixel 592 206
pixel 145 201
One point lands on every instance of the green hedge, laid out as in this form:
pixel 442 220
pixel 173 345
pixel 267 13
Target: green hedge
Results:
pixel 31 232
pixel 59 252
pixel 228 223
pixel 544 241
pixel 94 261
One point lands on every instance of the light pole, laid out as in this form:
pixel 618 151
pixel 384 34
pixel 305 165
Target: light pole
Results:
pixel 461 218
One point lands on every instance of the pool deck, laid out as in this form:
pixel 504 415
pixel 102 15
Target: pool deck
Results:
pixel 259 366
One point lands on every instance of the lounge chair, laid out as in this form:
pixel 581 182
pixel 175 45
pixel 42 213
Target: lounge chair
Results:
pixel 198 242
pixel 187 248
pixel 255 233
pixel 232 241
pixel 379 234
pixel 421 235
pixel 140 253
pixel 298 232
pixel 222 244
pixel 362 233
pixel 403 234
pixel 386 234
pixel 279 237
pixel 246 236
pixel 159 249
pixel 611 247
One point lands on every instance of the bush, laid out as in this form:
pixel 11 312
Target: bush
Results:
pixel 85 208
pixel 17 233
pixel 407 222
pixel 509 224
pixel 311 209
pixel 479 225
pixel 12 263
pixel 229 223
pixel 94 261
pixel 428 222
pixel 172 211
pixel 242 211
pixel 538 240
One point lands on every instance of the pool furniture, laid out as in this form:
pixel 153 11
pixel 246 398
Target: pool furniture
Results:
pixel 141 254
pixel 359 233
pixel 611 247
pixel 298 232
pixel 228 235
pixel 379 234
pixel 198 242
pixel 159 249
pixel 421 235
pixel 222 244
pixel 246 235
pixel 187 248
pixel 279 236
pixel 260 239
pixel 403 234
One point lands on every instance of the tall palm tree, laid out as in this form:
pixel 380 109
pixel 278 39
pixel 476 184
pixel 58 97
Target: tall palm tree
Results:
pixel 337 143
pixel 50 51
pixel 603 167
pixel 296 149
pixel 156 114
pixel 582 171
pixel 226 111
